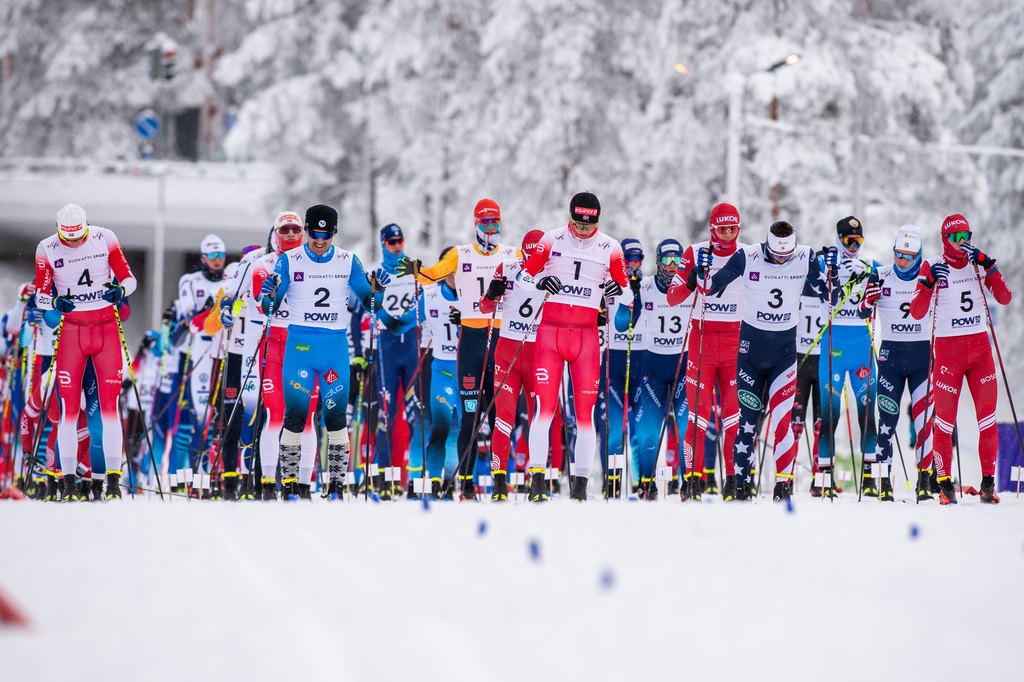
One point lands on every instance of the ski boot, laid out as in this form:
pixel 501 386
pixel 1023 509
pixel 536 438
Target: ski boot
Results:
pixel 729 489
pixel 269 489
pixel 467 490
pixel 988 490
pixel 612 486
pixel 335 491
pixel 538 487
pixel 84 488
pixel 824 491
pixel 924 486
pixel 113 486
pixel 744 492
pixel 290 490
pixel 230 488
pixel 578 488
pixel 782 491
pixel 648 489
pixel 709 484
pixel 305 491
pixel 411 493
pixel 48 488
pixel 885 492
pixel 556 487
pixel 247 492
pixel 674 488
pixel 69 489
pixel 693 486
pixel 499 489
pixel 947 493
pixel 869 488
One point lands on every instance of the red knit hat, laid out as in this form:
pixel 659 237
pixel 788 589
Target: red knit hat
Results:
pixel 955 223
pixel 486 208
pixel 725 215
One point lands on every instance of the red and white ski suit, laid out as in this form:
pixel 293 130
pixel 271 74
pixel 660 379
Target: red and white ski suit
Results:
pixel 89 331
pixel 962 350
pixel 568 334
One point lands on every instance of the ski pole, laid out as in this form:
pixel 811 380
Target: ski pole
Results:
pixel 47 398
pixel 469 448
pixel 138 399
pixel 696 405
pixel 620 487
pixel 831 425
pixel 853 449
pixel 1002 368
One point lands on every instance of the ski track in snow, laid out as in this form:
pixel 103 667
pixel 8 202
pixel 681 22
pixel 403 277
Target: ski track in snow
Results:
pixel 212 591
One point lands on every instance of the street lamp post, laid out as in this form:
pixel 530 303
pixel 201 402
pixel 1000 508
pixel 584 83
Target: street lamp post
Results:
pixel 737 85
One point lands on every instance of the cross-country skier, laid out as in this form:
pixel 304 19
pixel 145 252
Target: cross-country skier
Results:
pixel 714 347
pixel 774 274
pixel 513 354
pixel 851 355
pixel 661 375
pixel 473 265
pixel 577 266
pixel 398 354
pixel 621 346
pixel 316 279
pixel 904 356
pixel 87 268
pixel 961 349
pixel 288 228
pixel 808 350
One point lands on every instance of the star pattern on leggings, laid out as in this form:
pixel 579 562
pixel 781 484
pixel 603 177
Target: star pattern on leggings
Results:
pixel 748 427
pixel 884 429
pixel 742 448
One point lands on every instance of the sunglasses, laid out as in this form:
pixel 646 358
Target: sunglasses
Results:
pixel 214 255
pixel 960 237
pixel 395 242
pixel 489 222
pixel 634 258
pixel 727 229
pixel 320 234
pixel 671 260
pixel 289 229
pixel 852 240
pixel 904 256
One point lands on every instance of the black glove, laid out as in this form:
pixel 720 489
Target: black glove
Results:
pixel 602 317
pixel 550 284
pixel 935 273
pixel 634 285
pixel 612 289
pixel 691 280
pixel 408 266
pixel 496 289
pixel 976 256
pixel 455 317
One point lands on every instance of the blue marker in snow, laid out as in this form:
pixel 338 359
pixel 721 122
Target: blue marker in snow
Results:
pixel 534 547
pixel 481 529
pixel 914 531
pixel 607 579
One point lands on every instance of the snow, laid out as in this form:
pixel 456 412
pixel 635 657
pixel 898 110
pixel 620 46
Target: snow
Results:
pixel 144 590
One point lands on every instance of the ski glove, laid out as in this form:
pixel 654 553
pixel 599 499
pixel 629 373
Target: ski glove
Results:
pixel 269 287
pixel 114 293
pixel 871 294
pixel 976 256
pixel 704 257
pixel 936 272
pixel 408 266
pixel 455 317
pixel 612 289
pixel 602 317
pixel 169 313
pixel 496 289
pixel 379 279
pixel 34 316
pixel 64 304
pixel 634 285
pixel 831 255
pixel 550 284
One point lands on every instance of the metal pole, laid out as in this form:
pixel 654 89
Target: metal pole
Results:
pixel 159 250
pixel 737 85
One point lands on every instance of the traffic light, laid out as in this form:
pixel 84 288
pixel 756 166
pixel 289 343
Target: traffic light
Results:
pixel 167 63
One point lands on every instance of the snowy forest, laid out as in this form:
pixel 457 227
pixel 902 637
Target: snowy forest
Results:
pixel 408 111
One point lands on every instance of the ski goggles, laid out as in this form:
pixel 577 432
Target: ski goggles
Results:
pixel 321 234
pixel 397 241
pixel 960 237
pixel 214 255
pixel 289 229
pixel 489 223
pixel 725 229
pixel 634 257
pixel 671 260
pixel 852 240
pixel 901 255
